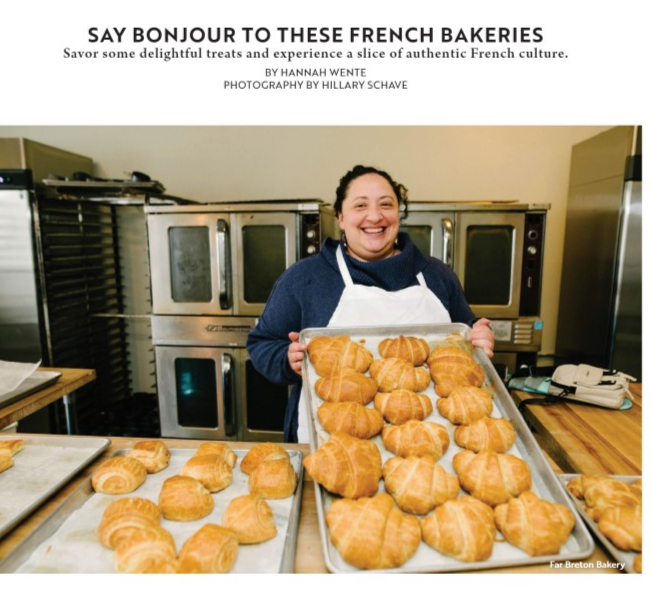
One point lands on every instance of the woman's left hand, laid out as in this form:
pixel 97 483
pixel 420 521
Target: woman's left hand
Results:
pixel 482 336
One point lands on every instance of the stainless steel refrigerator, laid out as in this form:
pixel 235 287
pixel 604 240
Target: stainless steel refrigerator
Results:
pixel 600 308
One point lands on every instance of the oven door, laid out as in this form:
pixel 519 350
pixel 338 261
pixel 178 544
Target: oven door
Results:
pixel 489 260
pixel 190 261
pixel 266 247
pixel 432 233
pixel 196 390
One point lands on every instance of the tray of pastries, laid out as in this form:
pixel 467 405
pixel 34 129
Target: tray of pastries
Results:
pixel 150 509
pixel 421 460
pixel 612 507
pixel 34 467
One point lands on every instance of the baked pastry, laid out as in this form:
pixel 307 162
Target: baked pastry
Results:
pixel 212 470
pixel 400 406
pixel 638 563
pixel 219 448
pixel 534 525
pixel 332 354
pixel 373 533
pixel 486 434
pixel 250 518
pixel 153 454
pixel 346 385
pixel 12 446
pixel 490 477
pixel 452 367
pixel 346 466
pixel 211 549
pixel 465 405
pixel 462 528
pixel 397 374
pixel 125 515
pixel 416 438
pixel 273 479
pixel 183 498
pixel 412 349
pixel 261 452
pixel 144 550
pixel 5 462
pixel 350 418
pixel 119 475
pixel 623 526
pixel 603 492
pixel 169 567
pixel 419 484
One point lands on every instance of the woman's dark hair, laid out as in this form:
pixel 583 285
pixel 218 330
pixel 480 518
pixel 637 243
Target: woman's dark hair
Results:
pixel 359 170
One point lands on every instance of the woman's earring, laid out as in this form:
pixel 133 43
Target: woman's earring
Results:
pixel 343 240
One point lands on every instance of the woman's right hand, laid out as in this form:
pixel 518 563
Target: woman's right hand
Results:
pixel 296 352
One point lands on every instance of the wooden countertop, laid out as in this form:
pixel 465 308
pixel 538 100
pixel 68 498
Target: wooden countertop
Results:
pixel 309 556
pixel 582 438
pixel 70 380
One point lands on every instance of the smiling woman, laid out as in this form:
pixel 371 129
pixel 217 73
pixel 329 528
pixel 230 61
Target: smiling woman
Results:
pixel 372 276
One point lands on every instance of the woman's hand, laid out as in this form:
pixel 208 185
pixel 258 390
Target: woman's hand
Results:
pixel 296 352
pixel 482 336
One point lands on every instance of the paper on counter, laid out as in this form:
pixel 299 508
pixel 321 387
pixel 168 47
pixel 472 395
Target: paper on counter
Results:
pixel 13 374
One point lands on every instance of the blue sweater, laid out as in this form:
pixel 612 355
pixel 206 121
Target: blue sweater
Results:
pixel 306 296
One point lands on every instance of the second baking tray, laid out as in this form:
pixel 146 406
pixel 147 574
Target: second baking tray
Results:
pixel 544 482
pixel 68 543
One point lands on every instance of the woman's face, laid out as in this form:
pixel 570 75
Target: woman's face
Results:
pixel 370 217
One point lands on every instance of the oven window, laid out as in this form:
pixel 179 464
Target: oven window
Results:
pixel 420 236
pixel 190 264
pixel 266 402
pixel 264 249
pixel 488 265
pixel 196 393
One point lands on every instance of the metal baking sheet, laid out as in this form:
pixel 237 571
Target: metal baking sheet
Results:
pixel 44 465
pixel 627 558
pixel 37 381
pixel 544 481
pixel 67 542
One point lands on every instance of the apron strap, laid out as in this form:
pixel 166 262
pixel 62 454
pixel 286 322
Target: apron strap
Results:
pixel 421 280
pixel 344 270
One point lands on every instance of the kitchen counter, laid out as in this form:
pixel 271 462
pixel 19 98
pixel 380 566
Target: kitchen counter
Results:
pixel 309 556
pixel 70 380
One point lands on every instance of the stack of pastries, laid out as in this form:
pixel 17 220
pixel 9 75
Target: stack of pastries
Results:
pixel 138 529
pixel 382 507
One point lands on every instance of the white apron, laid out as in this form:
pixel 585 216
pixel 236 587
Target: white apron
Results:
pixel 362 305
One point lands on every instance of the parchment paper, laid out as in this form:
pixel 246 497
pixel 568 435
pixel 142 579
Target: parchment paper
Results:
pixel 13 374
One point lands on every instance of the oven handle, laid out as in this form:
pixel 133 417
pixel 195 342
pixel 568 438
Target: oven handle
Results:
pixel 448 233
pixel 228 395
pixel 223 265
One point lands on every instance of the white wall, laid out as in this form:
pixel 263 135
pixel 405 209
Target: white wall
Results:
pixel 528 163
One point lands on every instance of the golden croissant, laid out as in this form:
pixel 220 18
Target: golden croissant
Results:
pixel 220 448
pixel 212 470
pixel 462 528
pixel 144 550
pixel 273 479
pixel 416 438
pixel 486 434
pixel 119 475
pixel 346 466
pixel 125 515
pixel 182 498
pixel 400 406
pixel 397 374
pixel 211 549
pixel 373 533
pixel 412 349
pixel 350 418
pixel 261 452
pixel 623 526
pixel 452 367
pixel 331 354
pixel 250 518
pixel 534 525
pixel 346 385
pixel 465 405
pixel 490 477
pixel 602 492
pixel 153 454
pixel 419 484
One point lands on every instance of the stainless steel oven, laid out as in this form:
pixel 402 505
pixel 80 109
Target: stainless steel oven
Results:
pixel 212 269
pixel 496 250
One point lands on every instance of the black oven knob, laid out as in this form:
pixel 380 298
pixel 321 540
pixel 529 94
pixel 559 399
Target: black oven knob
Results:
pixel 533 234
pixel 532 250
